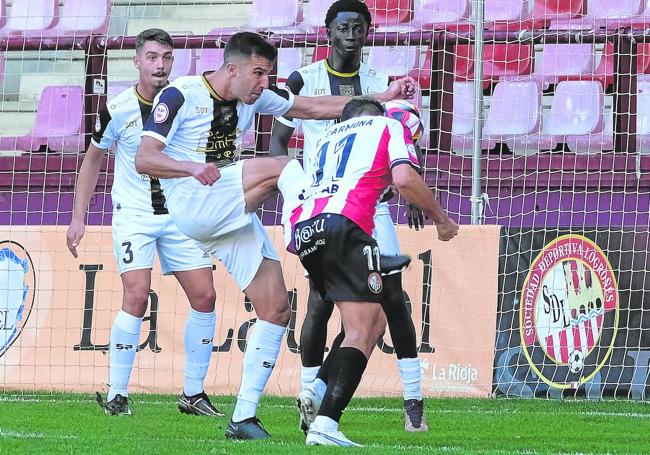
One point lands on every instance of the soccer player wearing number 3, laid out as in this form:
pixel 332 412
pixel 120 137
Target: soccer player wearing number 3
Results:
pixel 347 23
pixel 328 220
pixel 190 142
pixel 142 225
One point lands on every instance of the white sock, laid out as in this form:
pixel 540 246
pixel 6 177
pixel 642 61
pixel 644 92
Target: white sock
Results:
pixel 125 337
pixel 409 371
pixel 259 359
pixel 199 335
pixel 326 424
pixel 319 388
pixel 307 376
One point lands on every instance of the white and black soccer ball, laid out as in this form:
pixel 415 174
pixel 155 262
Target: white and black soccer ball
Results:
pixel 576 361
pixel 408 115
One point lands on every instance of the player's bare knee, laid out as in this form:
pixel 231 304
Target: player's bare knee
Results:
pixel 278 311
pixel 135 300
pixel 205 301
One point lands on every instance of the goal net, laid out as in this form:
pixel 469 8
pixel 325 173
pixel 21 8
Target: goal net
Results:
pixel 536 141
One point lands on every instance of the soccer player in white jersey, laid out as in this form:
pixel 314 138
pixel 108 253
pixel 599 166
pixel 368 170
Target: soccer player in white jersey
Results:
pixel 190 141
pixel 329 226
pixel 343 72
pixel 142 225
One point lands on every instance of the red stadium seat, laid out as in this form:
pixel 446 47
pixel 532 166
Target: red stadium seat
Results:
pixel 320 53
pixel 499 61
pixel 554 10
pixel 390 12
pixel 423 73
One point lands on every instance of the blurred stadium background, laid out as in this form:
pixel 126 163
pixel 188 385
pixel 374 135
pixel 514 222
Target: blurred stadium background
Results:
pixel 537 140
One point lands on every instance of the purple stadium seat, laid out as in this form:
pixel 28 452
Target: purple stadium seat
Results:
pixel 643 115
pixel 289 60
pixel 394 60
pixel 268 15
pixel 515 118
pixel 605 14
pixel 314 14
pixel 31 16
pixel 577 117
pixel 58 123
pixel 3 13
pixel 82 17
pixel 184 63
pixel 117 87
pixel 505 10
pixel 209 60
pixel 462 126
pixel 560 62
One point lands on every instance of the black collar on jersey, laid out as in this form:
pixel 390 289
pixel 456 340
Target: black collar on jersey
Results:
pixel 213 92
pixel 338 73
pixel 141 98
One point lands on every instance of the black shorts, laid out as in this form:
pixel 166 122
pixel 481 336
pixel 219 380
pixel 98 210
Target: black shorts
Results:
pixel 341 259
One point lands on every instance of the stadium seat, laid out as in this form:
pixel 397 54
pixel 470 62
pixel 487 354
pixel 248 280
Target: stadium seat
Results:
pixel 577 117
pixel 394 60
pixel 3 13
pixel 500 61
pixel 423 73
pixel 320 53
pixel 209 60
pixel 28 16
pixel 547 11
pixel 81 17
pixel 515 118
pixel 560 62
pixel 117 87
pixel 505 11
pixel 462 126
pixel 643 115
pixel 314 14
pixel 289 60
pixel 436 14
pixel 604 14
pixel 272 15
pixel 390 12
pixel 58 124
pixel 184 63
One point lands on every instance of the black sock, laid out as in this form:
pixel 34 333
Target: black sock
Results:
pixel 345 373
pixel 400 323
pixel 336 344
pixel 313 334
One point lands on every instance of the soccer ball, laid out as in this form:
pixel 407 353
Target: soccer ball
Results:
pixel 408 115
pixel 576 361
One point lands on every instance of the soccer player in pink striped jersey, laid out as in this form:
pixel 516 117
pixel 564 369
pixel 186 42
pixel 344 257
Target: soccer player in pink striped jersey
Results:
pixel 328 215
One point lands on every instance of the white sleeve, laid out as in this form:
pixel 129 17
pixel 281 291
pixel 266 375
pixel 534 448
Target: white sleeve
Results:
pixel 274 101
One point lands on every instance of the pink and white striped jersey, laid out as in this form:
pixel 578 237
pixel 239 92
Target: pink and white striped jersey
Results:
pixel 352 169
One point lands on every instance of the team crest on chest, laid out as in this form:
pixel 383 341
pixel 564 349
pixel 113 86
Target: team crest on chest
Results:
pixel 346 90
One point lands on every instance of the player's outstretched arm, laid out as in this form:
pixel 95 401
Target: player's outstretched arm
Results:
pixel 86 183
pixel 410 185
pixel 280 137
pixel 151 160
pixel 331 107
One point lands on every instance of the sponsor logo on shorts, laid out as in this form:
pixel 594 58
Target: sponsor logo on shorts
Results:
pixel 305 233
pixel 374 282
pixel 161 113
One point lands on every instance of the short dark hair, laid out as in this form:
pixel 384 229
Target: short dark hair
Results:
pixel 347 6
pixel 152 34
pixel 246 44
pixel 365 105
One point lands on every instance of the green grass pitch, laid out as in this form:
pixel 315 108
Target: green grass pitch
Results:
pixel 73 423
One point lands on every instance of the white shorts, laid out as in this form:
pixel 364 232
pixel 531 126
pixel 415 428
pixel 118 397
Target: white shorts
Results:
pixel 384 231
pixel 215 216
pixel 137 236
pixel 242 251
pixel 204 213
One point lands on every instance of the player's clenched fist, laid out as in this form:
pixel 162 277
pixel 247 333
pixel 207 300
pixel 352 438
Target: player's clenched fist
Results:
pixel 205 173
pixel 447 230
pixel 403 88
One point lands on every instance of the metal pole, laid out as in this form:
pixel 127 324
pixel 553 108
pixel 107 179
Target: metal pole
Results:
pixel 477 201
